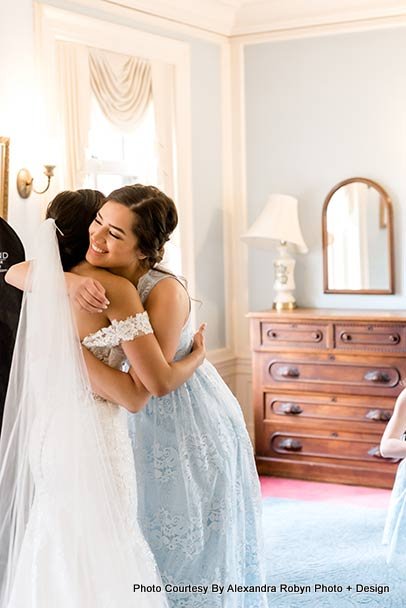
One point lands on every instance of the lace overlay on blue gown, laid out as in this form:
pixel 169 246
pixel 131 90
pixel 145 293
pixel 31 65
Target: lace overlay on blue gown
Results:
pixel 395 527
pixel 199 502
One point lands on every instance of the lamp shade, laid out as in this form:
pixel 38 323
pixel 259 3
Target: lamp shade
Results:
pixel 279 221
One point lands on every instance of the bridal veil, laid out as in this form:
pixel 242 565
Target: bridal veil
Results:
pixel 58 497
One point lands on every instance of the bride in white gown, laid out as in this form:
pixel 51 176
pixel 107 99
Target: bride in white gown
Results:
pixel 68 534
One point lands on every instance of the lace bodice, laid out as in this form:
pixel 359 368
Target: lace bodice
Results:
pixel 105 344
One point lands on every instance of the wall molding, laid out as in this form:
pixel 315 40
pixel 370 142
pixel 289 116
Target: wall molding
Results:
pixel 153 14
pixel 315 30
pixel 216 20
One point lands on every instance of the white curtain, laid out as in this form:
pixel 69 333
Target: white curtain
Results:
pixel 74 104
pixel 122 86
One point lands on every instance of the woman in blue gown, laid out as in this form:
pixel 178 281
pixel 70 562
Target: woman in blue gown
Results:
pixel 199 501
pixel 393 445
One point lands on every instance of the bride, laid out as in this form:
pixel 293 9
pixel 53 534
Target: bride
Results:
pixel 68 534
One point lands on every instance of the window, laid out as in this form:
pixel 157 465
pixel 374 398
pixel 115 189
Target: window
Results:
pixel 115 158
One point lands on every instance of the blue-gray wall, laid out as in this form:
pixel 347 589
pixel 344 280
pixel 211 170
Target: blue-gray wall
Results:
pixel 319 110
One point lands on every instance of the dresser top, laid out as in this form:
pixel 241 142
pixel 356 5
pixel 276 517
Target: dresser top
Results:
pixel 330 314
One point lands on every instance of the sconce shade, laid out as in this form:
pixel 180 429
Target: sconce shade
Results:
pixel 279 221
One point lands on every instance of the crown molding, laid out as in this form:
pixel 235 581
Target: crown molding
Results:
pixel 232 18
pixel 219 21
pixel 262 16
pixel 211 16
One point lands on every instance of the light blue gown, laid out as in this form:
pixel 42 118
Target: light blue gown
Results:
pixel 199 502
pixel 395 527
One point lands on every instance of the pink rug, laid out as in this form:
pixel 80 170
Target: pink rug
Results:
pixel 298 489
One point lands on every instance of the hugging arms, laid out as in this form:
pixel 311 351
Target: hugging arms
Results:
pixel 152 370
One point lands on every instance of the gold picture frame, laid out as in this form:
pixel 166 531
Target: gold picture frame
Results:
pixel 4 169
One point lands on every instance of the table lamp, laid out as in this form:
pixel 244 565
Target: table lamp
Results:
pixel 279 221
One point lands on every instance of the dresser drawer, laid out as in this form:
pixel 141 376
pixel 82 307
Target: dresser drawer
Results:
pixel 385 338
pixel 374 412
pixel 338 374
pixel 325 383
pixel 301 335
pixel 315 446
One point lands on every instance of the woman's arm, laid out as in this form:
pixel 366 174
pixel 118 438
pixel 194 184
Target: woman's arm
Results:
pixel 167 307
pixel 392 446
pixel 150 371
pixel 87 292
pixel 152 363
pixel 114 385
pixel 17 275
pixel 125 388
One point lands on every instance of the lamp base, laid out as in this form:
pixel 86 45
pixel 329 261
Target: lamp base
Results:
pixel 284 284
pixel 279 306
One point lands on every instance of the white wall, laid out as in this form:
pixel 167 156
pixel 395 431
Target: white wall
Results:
pixel 319 110
pixel 19 120
pixel 19 108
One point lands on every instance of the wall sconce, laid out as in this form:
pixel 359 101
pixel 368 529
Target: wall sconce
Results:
pixel 25 181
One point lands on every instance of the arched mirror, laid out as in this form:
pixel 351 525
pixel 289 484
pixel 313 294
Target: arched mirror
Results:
pixel 358 239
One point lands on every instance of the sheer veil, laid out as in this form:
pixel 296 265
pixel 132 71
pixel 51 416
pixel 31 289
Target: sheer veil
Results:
pixel 56 484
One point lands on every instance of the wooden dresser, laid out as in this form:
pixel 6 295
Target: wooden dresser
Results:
pixel 325 383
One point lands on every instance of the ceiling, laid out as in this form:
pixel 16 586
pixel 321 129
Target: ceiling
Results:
pixel 241 17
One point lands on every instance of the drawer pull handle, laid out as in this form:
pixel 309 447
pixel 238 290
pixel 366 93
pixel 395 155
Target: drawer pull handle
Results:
pixel 346 337
pixel 375 452
pixel 290 372
pixel 291 408
pixel 394 338
pixel 291 445
pixel 317 336
pixel 377 376
pixel 379 415
pixel 271 334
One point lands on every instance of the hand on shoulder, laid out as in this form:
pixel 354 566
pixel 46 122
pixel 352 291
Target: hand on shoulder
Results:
pixel 97 290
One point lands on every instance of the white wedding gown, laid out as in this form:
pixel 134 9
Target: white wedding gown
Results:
pixel 44 574
pixel 69 537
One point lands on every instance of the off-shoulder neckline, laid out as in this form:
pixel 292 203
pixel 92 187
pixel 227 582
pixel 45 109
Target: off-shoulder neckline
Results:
pixel 105 331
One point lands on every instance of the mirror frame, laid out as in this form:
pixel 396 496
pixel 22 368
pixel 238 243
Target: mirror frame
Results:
pixel 389 220
pixel 4 173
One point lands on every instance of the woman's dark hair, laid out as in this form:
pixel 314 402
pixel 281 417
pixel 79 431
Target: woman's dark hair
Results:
pixel 155 218
pixel 73 212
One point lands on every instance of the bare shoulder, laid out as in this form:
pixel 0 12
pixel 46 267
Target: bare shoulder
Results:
pixel 106 278
pixel 168 291
pixel 109 280
pixel 168 298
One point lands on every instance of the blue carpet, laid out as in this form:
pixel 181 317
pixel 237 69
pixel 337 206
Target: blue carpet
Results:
pixel 328 543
